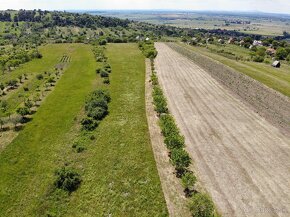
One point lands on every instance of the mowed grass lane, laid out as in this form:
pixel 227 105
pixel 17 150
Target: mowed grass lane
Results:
pixel 120 175
pixel 27 165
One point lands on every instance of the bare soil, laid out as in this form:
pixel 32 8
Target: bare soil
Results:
pixel 270 104
pixel 242 159
pixel 171 186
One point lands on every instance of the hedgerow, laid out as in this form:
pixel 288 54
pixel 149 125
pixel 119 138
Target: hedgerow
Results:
pixel 148 49
pixel 200 204
pixel 159 101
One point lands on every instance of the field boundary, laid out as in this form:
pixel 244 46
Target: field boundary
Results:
pixel 171 186
pixel 268 103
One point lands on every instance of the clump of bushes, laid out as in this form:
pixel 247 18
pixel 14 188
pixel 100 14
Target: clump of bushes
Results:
pixel 67 179
pixel 201 205
pixel 106 81
pixel 159 100
pixel 148 49
pixel 96 107
pixel 78 147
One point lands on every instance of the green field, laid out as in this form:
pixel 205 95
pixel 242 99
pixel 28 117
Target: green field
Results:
pixel 277 79
pixel 118 169
pixel 51 57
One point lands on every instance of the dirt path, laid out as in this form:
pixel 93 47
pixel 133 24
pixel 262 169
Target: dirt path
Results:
pixel 242 160
pixel 172 189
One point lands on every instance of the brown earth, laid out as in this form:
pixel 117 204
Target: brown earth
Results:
pixel 171 186
pixel 242 159
pixel 270 104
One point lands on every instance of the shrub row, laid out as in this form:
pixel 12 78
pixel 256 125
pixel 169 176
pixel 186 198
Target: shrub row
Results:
pixel 106 69
pixel 159 100
pixel 148 49
pixel 200 204
pixel 96 107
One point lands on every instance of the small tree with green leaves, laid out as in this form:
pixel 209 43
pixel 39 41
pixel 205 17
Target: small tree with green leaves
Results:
pixel 180 159
pixel 201 205
pixel 67 179
pixel 188 181
pixel 23 111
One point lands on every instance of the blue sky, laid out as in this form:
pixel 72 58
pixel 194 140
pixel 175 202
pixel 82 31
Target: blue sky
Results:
pixel 278 6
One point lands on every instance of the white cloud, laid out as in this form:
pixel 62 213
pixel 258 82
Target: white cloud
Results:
pixel 281 6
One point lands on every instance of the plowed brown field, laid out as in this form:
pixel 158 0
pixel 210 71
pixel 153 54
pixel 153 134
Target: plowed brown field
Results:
pixel 242 160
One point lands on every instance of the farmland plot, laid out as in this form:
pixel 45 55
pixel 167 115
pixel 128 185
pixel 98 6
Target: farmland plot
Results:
pixel 241 159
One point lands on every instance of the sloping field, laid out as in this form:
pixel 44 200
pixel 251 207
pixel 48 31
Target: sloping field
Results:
pixel 118 169
pixel 242 160
pixel 27 165
pixel 120 175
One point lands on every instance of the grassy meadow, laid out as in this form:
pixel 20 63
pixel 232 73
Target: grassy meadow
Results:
pixel 27 165
pixel 117 168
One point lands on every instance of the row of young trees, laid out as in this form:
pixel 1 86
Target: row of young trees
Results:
pixel 96 109
pixel 200 204
pixel 105 70
pixel 29 104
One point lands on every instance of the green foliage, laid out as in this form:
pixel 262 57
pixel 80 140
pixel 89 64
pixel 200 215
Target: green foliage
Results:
pixel 89 124
pixel 201 206
pixel 288 58
pixel 78 147
pixel 106 81
pixel 154 79
pixel 148 49
pixel 174 140
pixel 23 111
pixel 258 59
pixel 281 53
pixel 102 42
pixel 159 101
pixel 180 159
pixel 188 181
pixel 67 179
pixel 96 107
pixel 104 74
pixel 39 76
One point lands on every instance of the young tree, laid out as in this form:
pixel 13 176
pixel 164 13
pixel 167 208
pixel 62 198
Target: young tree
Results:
pixel 281 53
pixel 201 206
pixel 23 111
pixel 188 181
pixel 180 159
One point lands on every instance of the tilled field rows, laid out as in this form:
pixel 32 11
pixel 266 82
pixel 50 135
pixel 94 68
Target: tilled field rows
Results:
pixel 241 159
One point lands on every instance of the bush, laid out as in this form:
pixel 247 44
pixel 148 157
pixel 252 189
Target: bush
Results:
pixel 258 59
pixel 188 181
pixel 288 58
pixel 78 147
pixel 281 53
pixel 201 206
pixel 96 107
pixel 154 79
pixel 98 70
pixel 106 81
pixel 89 124
pixel 67 179
pixel 104 74
pixel 174 141
pixel 159 100
pixel 39 77
pixel 103 42
pixel 167 125
pixel 180 159
pixel 97 113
